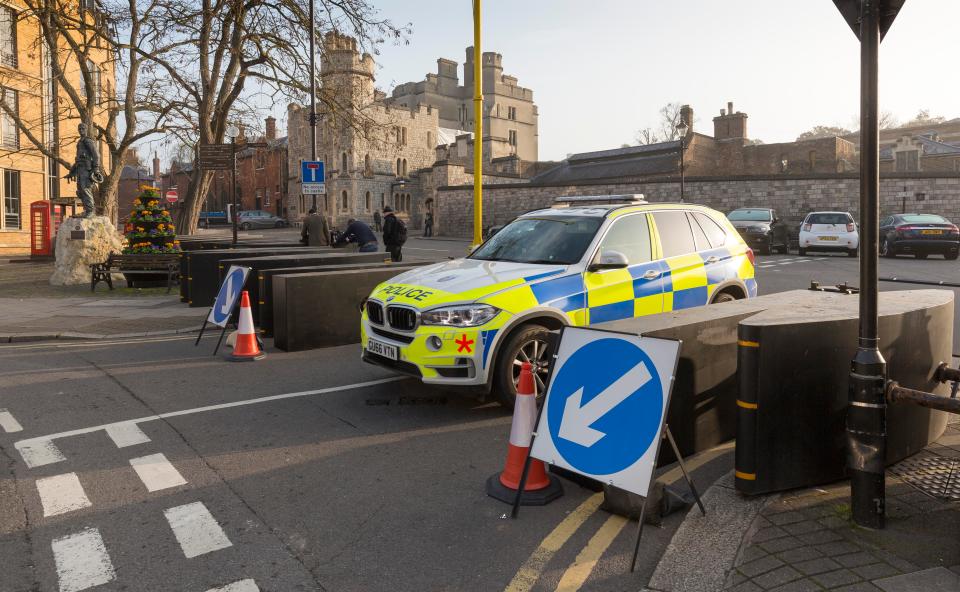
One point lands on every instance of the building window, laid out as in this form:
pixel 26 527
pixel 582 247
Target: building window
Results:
pixel 512 113
pixel 11 200
pixel 8 37
pixel 258 199
pixel 88 5
pixel 344 202
pixel 430 143
pixel 403 136
pixel 404 167
pixel 343 164
pixel 812 158
pixel 367 169
pixel 513 138
pixel 94 71
pixel 367 202
pixel 908 161
pixel 261 159
pixel 399 168
pixel 383 199
pixel 9 135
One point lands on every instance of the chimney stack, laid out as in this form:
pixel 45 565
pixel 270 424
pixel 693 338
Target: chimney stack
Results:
pixel 686 116
pixel 730 107
pixel 271 129
pixel 156 169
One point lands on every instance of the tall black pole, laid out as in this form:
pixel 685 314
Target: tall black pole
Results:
pixel 313 93
pixel 233 187
pixel 681 166
pixel 866 413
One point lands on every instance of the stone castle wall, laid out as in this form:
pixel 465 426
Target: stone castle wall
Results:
pixel 792 197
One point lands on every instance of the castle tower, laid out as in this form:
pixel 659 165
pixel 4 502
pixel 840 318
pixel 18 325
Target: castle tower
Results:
pixel 346 77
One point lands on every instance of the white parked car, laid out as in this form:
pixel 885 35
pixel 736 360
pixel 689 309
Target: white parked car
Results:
pixel 829 231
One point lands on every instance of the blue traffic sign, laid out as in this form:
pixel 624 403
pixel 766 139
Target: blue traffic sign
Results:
pixel 311 171
pixel 606 405
pixel 228 295
pixel 603 422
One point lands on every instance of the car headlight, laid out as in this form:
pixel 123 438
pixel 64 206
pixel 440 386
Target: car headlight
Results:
pixel 468 315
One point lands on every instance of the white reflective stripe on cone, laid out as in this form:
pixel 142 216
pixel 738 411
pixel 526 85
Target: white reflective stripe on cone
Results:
pixel 524 418
pixel 245 326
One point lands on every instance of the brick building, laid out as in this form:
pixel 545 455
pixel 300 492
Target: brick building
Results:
pixel 262 173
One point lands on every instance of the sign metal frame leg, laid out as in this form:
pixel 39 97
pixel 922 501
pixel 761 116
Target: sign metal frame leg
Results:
pixel 643 507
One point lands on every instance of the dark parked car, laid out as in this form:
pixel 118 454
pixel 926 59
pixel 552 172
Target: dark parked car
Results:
pixel 761 228
pixel 248 219
pixel 919 235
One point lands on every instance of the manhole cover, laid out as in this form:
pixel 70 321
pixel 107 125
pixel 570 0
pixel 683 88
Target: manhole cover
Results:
pixel 935 475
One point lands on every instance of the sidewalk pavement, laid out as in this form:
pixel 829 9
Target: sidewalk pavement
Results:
pixel 40 319
pixel 805 540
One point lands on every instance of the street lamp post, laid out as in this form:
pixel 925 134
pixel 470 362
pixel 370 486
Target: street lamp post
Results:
pixel 682 128
pixel 313 93
pixel 232 132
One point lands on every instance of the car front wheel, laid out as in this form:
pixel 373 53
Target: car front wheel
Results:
pixel 886 249
pixel 245 226
pixel 531 344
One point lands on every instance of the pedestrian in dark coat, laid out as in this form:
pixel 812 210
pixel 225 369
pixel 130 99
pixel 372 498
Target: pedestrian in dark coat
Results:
pixel 394 234
pixel 376 220
pixel 315 232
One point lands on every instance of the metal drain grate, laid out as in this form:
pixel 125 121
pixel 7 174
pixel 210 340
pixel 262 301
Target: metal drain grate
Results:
pixel 935 475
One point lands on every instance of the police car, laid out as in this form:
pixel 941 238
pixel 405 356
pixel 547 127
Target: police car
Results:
pixel 587 260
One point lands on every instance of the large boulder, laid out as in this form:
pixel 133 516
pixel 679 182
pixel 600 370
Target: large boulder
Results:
pixel 74 256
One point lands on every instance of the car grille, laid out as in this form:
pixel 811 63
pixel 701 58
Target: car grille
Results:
pixel 391 335
pixel 375 312
pixel 402 318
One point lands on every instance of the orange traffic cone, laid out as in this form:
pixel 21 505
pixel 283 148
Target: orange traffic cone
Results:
pixel 540 488
pixel 246 349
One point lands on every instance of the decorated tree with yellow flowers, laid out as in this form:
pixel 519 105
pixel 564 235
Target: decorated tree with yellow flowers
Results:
pixel 150 229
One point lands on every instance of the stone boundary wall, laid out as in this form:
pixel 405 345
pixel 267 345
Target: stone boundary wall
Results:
pixel 791 197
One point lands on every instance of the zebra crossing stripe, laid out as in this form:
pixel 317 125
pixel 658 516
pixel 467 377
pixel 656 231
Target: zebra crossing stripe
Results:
pixel 82 561
pixel 126 434
pixel 61 494
pixel 196 530
pixel 238 586
pixel 39 452
pixel 156 472
pixel 9 423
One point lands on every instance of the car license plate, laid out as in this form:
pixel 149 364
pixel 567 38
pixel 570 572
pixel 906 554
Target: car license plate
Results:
pixel 382 349
pixel 931 232
pixel 828 238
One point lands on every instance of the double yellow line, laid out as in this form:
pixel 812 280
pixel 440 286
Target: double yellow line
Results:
pixel 579 571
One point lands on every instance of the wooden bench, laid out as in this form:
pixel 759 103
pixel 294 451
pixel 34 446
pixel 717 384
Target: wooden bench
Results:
pixel 165 263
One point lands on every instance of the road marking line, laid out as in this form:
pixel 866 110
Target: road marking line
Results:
pixel 61 494
pixel 127 434
pixel 530 571
pixel 82 561
pixel 99 342
pixel 37 452
pixel 156 472
pixel 238 586
pixel 8 422
pixel 196 529
pixel 586 560
pixel 529 577
pixel 41 450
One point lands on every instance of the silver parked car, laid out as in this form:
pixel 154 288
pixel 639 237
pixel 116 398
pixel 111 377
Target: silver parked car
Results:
pixel 248 219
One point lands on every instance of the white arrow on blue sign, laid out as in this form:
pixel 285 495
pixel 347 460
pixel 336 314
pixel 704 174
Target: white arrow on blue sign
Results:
pixel 312 177
pixel 228 295
pixel 606 405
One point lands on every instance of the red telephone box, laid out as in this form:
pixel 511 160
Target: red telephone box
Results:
pixel 41 230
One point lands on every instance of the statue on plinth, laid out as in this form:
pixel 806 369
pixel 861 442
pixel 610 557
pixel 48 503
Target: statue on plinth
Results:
pixel 86 170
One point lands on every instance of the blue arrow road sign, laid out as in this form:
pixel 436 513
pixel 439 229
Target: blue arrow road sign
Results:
pixel 606 405
pixel 228 295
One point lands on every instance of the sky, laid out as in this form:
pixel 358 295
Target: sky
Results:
pixel 601 70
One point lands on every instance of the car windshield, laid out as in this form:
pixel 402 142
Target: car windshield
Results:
pixel 749 215
pixel 559 240
pixel 924 219
pixel 829 218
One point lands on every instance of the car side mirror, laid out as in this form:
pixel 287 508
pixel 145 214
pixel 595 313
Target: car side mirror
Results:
pixel 610 260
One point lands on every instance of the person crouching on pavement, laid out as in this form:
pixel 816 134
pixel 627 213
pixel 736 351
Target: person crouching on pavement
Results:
pixel 315 231
pixel 360 233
